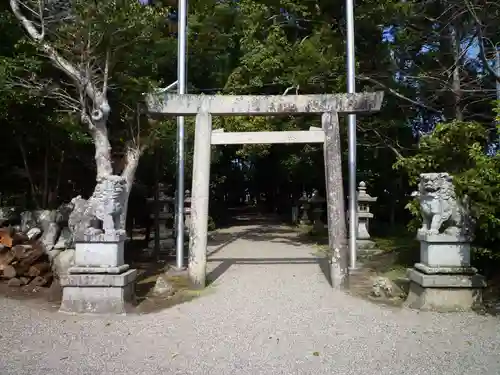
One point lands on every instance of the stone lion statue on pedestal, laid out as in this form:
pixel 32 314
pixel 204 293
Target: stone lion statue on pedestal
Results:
pixel 442 212
pixel 108 202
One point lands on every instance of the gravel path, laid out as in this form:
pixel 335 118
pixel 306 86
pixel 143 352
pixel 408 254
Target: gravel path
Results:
pixel 271 312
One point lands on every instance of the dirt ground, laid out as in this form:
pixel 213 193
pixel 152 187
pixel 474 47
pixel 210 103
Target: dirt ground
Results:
pixel 149 268
pixel 390 263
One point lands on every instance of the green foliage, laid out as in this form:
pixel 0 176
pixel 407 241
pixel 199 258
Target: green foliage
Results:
pixel 462 149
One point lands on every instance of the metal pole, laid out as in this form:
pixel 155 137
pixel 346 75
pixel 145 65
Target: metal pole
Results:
pixel 497 66
pixel 181 77
pixel 497 63
pixel 157 205
pixel 351 88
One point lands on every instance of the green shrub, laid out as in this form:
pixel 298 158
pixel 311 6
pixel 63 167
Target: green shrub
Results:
pixel 462 149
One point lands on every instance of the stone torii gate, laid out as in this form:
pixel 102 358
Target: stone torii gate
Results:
pixel 204 106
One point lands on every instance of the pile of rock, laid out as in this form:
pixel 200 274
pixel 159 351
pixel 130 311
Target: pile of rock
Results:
pixel 48 228
pixel 23 260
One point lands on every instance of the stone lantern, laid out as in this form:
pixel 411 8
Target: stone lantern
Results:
pixel 304 207
pixel 187 211
pixel 295 211
pixel 317 202
pixel 363 240
pixel 163 207
pixel 364 214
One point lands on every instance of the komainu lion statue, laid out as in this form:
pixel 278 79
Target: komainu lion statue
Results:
pixel 442 212
pixel 107 202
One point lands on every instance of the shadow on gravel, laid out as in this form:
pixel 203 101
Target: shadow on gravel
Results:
pixel 268 229
pixel 226 263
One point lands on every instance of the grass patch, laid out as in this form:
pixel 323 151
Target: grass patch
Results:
pixel 183 292
pixel 405 250
pixel 395 273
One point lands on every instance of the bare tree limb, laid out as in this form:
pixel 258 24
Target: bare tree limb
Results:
pixel 59 61
pixel 106 72
pixel 42 23
pixel 399 95
pixel 482 53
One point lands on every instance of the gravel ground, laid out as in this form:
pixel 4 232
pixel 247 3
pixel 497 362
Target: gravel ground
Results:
pixel 268 314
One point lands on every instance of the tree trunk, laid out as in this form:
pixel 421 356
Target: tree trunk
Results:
pixel 456 81
pixel 133 155
pixel 102 150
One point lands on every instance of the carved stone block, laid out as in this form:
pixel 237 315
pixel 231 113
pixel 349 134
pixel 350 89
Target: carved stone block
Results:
pixel 444 251
pixel 98 293
pixel 99 254
pixel 444 292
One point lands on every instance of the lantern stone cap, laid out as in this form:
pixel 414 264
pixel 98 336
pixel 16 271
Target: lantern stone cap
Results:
pixel 363 196
pixel 304 197
pixel 364 215
pixel 316 197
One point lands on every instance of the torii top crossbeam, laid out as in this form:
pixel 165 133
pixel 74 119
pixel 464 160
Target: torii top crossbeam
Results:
pixel 234 105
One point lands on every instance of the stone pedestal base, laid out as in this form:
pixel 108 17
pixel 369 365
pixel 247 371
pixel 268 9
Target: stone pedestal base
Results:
pixel 94 293
pixel 167 240
pixel 441 250
pixel 367 248
pixel 444 291
pixel 166 245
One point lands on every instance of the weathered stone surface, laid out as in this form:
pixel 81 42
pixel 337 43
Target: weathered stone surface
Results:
pixel 98 294
pixel 337 236
pixel 99 254
pixel 382 287
pixel 263 104
pixel 63 213
pixel 50 235
pixel 63 262
pixel 53 254
pixel 363 212
pixel 444 292
pixel 446 280
pixel 9 214
pixel 107 202
pixel 79 219
pixel 64 239
pixel 27 220
pixel 199 201
pixel 55 291
pixel 442 212
pixel 100 270
pixel 442 299
pixel 444 270
pixel 163 287
pixel 44 218
pixel 443 280
pixel 95 279
pixel 285 137
pixel 444 250
pixel 365 244
pixel 34 233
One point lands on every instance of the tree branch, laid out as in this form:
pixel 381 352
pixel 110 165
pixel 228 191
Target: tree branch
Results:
pixel 59 61
pixel 482 53
pixel 106 73
pixel 399 95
